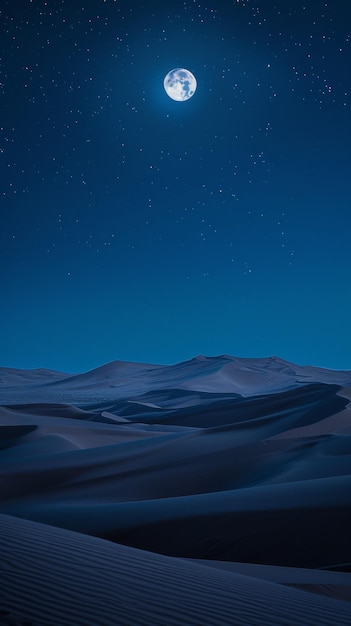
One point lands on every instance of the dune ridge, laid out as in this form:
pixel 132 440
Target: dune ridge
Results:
pixel 220 374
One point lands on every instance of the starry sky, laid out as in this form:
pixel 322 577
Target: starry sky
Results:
pixel 139 228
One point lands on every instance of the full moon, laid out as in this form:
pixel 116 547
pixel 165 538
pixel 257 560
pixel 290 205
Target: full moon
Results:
pixel 180 84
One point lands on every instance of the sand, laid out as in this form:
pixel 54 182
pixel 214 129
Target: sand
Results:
pixel 214 491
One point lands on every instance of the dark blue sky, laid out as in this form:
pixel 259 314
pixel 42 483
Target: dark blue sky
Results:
pixel 139 228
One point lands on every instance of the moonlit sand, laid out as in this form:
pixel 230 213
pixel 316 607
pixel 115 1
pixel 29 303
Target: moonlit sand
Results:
pixel 214 491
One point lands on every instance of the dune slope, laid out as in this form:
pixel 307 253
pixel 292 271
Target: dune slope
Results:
pixel 53 576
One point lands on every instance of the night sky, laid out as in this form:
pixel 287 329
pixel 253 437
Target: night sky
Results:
pixel 138 228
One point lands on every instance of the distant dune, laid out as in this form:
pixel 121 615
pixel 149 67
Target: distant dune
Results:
pixel 212 491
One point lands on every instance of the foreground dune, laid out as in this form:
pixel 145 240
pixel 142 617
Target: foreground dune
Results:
pixel 233 474
pixel 53 576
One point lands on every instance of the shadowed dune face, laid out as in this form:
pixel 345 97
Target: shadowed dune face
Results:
pixel 220 459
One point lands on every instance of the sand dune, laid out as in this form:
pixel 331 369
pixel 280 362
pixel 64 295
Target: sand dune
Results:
pixel 223 374
pixel 52 576
pixel 10 377
pixel 243 465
